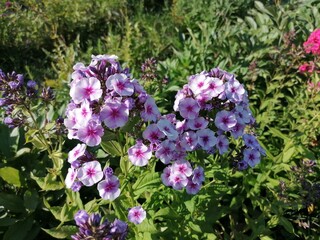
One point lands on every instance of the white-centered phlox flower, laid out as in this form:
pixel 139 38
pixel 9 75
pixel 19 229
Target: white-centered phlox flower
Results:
pixel 198 83
pixel 234 91
pixel 136 215
pixel 178 180
pixel 139 154
pixel 165 151
pixel 189 108
pixel 91 134
pixel 152 133
pixel 114 114
pixel 90 173
pixel 215 88
pixel 120 84
pixel 189 140
pixel 225 120
pixel 168 129
pixel 151 111
pixel 183 167
pixel 109 188
pixel 71 177
pixel 83 114
pixel 76 152
pixel 251 156
pixel 206 138
pixel 86 88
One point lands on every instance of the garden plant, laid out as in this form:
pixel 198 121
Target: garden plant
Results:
pixel 159 119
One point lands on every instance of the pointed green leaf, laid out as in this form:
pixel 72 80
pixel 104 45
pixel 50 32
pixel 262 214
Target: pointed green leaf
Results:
pixel 146 182
pixel 61 232
pixel 11 202
pixel 112 147
pixel 11 176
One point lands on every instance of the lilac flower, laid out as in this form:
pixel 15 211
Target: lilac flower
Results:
pixel 120 84
pixel 114 114
pixel 189 140
pixel 193 188
pixel 151 111
pixel 109 188
pixel 222 144
pixel 198 175
pixel 165 151
pixel 139 154
pixel 152 133
pixel 71 177
pixel 197 123
pixel 234 91
pixel 76 152
pixel 206 138
pixel 165 176
pixel 251 156
pixel 91 134
pixel 225 120
pixel 189 108
pixel 167 128
pixel 136 215
pixel 90 173
pixel 86 88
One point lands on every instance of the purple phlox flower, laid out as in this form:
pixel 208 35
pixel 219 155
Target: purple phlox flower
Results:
pixel 178 180
pixel 91 134
pixel 109 188
pixel 120 84
pixel 165 176
pixel 114 114
pixel 90 173
pixel 183 167
pixel 119 229
pixel 71 177
pixel 171 117
pixel 76 152
pixel 139 154
pixel 250 141
pixel 189 140
pixel 109 58
pixel 137 87
pixel 198 175
pixel 79 69
pixel 193 188
pixel 251 156
pixel 198 84
pixel 165 151
pixel 81 218
pixel 202 100
pixel 86 88
pixel 237 130
pixel 215 88
pixel 168 129
pixel 225 120
pixel 189 108
pixel 130 103
pixel 71 120
pixel 181 126
pixel 108 172
pixel 222 144
pixel 234 91
pixel 83 114
pixel 243 115
pixel 76 186
pixel 152 133
pixel 136 215
pixel 242 165
pixel 206 138
pixel 151 111
pixel 197 123
pixel 181 94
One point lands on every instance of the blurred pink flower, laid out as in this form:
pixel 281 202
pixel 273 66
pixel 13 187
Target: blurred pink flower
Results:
pixel 312 45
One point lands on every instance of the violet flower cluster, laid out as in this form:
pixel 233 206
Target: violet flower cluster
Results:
pixel 16 96
pixel 213 107
pixel 104 96
pixel 92 227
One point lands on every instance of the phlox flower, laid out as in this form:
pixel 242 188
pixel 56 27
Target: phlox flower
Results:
pixel 222 144
pixel 189 108
pixel 189 140
pixel 165 151
pixel 71 177
pixel 312 45
pixel 181 94
pixel 76 152
pixel 234 91
pixel 165 176
pixel 198 83
pixel 136 215
pixel 237 130
pixel 167 128
pixel 109 58
pixel 197 123
pixel 183 167
pixel 151 111
pixel 307 67
pixel 198 175
pixel 86 88
pixel 83 114
pixel 193 188
pixel 225 120
pixel 114 114
pixel 243 115
pixel 206 138
pixel 90 173
pixel 250 141
pixel 91 134
pixel 139 154
pixel 81 217
pixel 251 156
pixel 120 84
pixel 178 180
pixel 109 188
pixel 152 133
pixel 215 87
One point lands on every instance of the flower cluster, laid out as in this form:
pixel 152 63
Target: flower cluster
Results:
pixel 213 106
pixel 16 96
pixel 92 227
pixel 312 45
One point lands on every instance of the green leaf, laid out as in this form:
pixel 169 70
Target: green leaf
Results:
pixel 7 221
pixel 166 213
pixel 190 205
pixel 19 230
pixel 62 232
pixel 31 200
pixel 11 202
pixel 48 182
pixel 279 134
pixel 274 221
pixel 146 182
pixel 286 224
pixel 112 147
pixel 11 176
pixel 147 226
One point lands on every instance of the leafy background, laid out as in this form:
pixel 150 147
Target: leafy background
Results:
pixel 259 41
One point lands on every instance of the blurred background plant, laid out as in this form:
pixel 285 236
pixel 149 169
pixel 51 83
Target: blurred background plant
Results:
pixel 259 41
